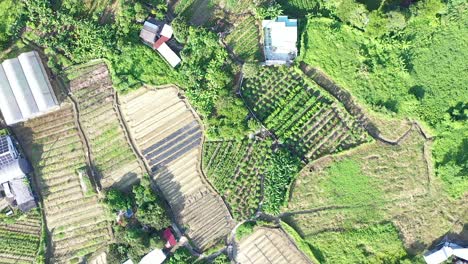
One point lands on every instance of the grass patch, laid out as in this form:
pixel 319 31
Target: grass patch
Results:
pixel 300 243
pixel 245 230
pixel 346 184
pixel 374 244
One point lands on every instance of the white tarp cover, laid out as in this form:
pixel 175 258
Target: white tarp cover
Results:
pixel 37 80
pixel 25 90
pixel 156 256
pixel 20 87
pixel 169 55
pixel 9 107
pixel 461 253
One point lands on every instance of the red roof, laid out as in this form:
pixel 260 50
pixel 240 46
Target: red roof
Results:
pixel 160 41
pixel 167 234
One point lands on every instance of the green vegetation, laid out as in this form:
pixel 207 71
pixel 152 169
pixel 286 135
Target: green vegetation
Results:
pixel 244 39
pixel 303 116
pixel 300 242
pixel 280 172
pixel 245 230
pixel 374 244
pixel 405 62
pixel 139 234
pixel 234 168
pixel 21 236
pixel 181 256
pixel 347 184
pixel 11 21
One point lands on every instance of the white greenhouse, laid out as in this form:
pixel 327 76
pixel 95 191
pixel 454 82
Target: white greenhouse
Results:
pixel 25 90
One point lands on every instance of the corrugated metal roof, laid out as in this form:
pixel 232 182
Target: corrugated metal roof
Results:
pixel 167 31
pixel 169 55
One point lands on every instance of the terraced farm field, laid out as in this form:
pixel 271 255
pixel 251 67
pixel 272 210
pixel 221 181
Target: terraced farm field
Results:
pixel 234 168
pixel 244 40
pixel 19 241
pixel 302 115
pixel 112 155
pixel 268 245
pixel 74 217
pixel 169 136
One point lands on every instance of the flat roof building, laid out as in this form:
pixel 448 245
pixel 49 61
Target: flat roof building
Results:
pixel 25 90
pixel 280 40
pixel 13 170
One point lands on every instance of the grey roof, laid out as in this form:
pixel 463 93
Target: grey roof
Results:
pixel 11 165
pixel 23 195
pixel 25 90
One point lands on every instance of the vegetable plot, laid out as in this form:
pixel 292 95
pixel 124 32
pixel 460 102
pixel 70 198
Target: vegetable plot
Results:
pixel 19 241
pixel 304 117
pixel 113 158
pixel 235 168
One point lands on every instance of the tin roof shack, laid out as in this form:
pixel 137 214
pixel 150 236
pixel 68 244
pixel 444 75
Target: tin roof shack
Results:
pixel 280 40
pixel 445 252
pixel 155 34
pixel 13 181
pixel 25 90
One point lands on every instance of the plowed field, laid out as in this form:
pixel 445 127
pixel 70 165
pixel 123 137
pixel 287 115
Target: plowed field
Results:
pixel 74 217
pixel 112 155
pixel 170 137
pixel 268 245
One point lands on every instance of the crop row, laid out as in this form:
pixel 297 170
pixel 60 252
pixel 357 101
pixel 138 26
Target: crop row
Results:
pixel 244 39
pixel 20 240
pixel 302 115
pixel 112 155
pixel 234 167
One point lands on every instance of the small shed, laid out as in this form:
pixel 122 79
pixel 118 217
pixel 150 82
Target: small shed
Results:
pixel 156 256
pixel 169 237
pixel 155 34
pixel 445 252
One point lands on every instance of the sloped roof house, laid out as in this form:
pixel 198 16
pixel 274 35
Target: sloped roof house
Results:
pixel 25 90
pixel 13 170
pixel 280 40
pixel 155 35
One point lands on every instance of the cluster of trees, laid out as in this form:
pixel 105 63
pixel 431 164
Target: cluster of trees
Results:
pixel 137 235
pixel 73 34
pixel 11 21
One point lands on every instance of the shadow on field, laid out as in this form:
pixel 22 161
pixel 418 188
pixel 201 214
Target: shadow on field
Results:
pixel 126 182
pixel 163 182
pixel 457 238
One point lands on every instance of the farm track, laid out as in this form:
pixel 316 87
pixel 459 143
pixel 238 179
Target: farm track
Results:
pixel 268 245
pixel 111 154
pixel 169 137
pixel 65 204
